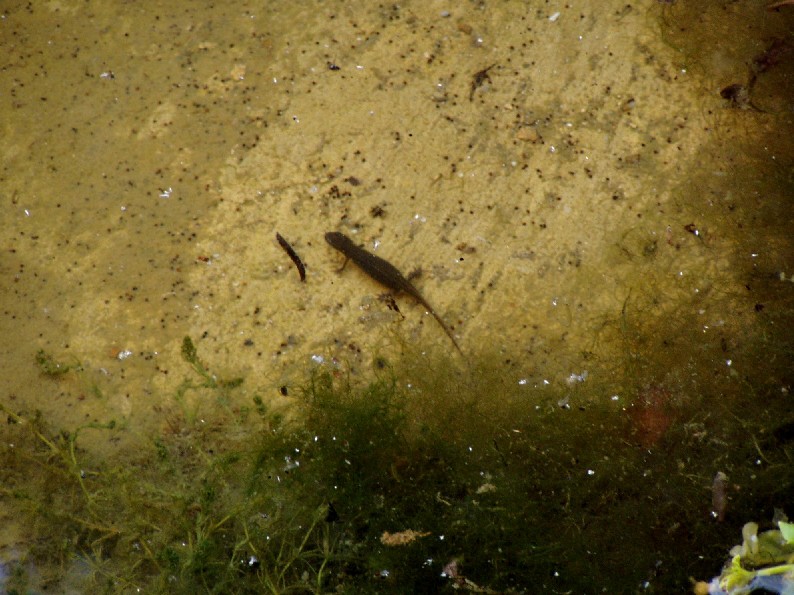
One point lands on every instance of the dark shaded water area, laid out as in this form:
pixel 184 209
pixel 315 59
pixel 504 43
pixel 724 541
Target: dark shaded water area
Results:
pixel 413 481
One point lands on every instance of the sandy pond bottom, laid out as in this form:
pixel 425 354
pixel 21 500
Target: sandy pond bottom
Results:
pixel 607 236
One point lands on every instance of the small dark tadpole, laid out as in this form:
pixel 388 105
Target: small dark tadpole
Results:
pixel 331 516
pixel 293 255
pixel 733 92
pixel 693 229
pixel 739 95
pixel 478 79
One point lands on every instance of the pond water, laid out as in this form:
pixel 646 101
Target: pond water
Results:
pixel 594 197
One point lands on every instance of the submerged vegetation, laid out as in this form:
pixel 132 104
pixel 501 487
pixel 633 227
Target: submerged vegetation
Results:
pixel 423 479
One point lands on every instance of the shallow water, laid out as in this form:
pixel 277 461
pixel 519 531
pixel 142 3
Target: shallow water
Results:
pixel 589 214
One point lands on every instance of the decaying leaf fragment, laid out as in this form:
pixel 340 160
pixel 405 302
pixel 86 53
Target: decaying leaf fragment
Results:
pixel 401 538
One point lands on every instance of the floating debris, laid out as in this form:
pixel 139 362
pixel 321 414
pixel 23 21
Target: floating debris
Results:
pixel 719 498
pixel 401 538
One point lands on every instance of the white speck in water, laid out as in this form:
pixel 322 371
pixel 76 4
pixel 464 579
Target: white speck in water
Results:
pixel 522 381
pixel 590 472
pixel 554 17
pixel 614 397
pixel 318 359
pixel 552 149
pixel 166 193
pixel 728 362
pixel 124 354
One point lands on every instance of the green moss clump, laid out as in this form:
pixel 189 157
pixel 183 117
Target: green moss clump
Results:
pixel 51 367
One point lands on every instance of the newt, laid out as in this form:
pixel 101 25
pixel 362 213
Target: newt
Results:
pixel 383 272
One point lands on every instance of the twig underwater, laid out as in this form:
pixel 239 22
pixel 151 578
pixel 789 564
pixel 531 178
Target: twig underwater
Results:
pixel 293 255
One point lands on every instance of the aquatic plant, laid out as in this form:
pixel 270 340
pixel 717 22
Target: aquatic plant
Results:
pixel 419 477
pixel 761 562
